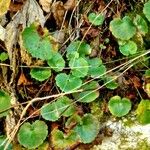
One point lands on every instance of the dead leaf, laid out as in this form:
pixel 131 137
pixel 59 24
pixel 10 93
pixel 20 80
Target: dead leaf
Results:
pixel 30 13
pixel 136 81
pixel 2 33
pixel 46 5
pixel 59 36
pixel 16 5
pixel 70 4
pixel 58 11
pixel 23 80
pixel 4 6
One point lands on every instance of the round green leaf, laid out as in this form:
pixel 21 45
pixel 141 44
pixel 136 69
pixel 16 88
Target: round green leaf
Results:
pixel 39 47
pixel 78 47
pixel 96 19
pixel 87 96
pixel 97 72
pixel 122 29
pixel 3 56
pixel 88 128
pixel 144 118
pixel 96 68
pixel 79 67
pixel 61 140
pixel 146 10
pixel 57 62
pixel 3 141
pixel 119 107
pixel 90 86
pixel 110 83
pixel 141 24
pixel 143 105
pixel 5 103
pixel 32 135
pixel 61 107
pixel 68 83
pixel 40 74
pixel 89 93
pixel 129 48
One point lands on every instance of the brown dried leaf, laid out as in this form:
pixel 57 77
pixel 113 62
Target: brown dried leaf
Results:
pixel 16 6
pixel 136 81
pixel 46 4
pixel 23 80
pixel 70 4
pixel 2 33
pixel 30 13
pixel 58 11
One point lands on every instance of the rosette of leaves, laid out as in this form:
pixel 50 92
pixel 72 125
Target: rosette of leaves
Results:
pixel 143 112
pixel 89 94
pixel 96 19
pixel 128 48
pixel 62 140
pixel 96 68
pixel 39 46
pixel 3 56
pixel 78 49
pixel 68 83
pixel 61 107
pixel 146 10
pixel 3 141
pixel 119 107
pixel 40 74
pixel 32 135
pixel 123 29
pixel 57 62
pixel 88 128
pixel 79 67
pixel 110 82
pixel 5 103
pixel 141 24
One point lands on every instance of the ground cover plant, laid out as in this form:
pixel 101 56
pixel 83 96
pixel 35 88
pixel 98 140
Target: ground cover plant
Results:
pixel 68 66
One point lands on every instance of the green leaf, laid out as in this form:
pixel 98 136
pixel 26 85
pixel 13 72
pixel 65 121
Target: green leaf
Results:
pixel 147 73
pixel 129 48
pixel 62 107
pixel 123 29
pixel 79 67
pixel 96 19
pixel 78 48
pixel 87 96
pixel 146 10
pixel 3 141
pixel 68 83
pixel 89 93
pixel 143 105
pixel 3 56
pixel 32 135
pixel 37 46
pixel 40 74
pixel 144 118
pixel 88 128
pixel 5 103
pixel 72 120
pixel 110 83
pixel 61 140
pixel 119 107
pixel 96 68
pixel 57 62
pixel 141 24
